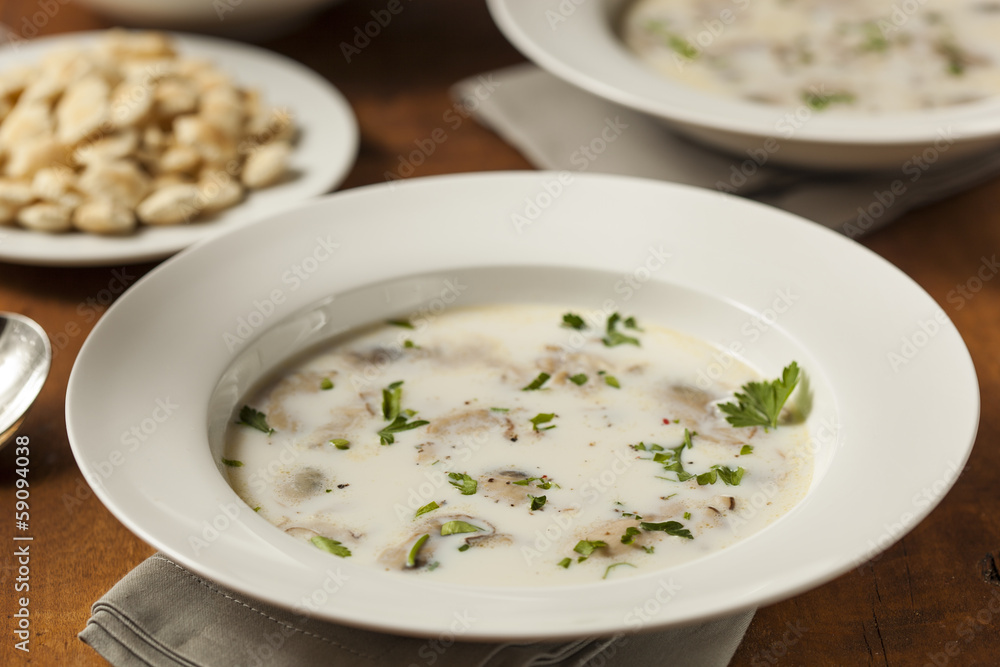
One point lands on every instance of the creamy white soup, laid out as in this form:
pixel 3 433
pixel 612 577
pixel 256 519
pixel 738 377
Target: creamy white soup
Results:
pixel 843 55
pixel 518 445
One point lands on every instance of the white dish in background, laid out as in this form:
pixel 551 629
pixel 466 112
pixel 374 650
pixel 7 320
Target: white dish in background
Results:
pixel 177 352
pixel 323 154
pixel 578 42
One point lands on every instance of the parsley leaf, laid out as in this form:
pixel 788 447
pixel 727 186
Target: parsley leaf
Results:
pixel 429 507
pixel 669 527
pixel 391 398
pixel 629 536
pixel 405 324
pixel 746 449
pixel 537 502
pixel 542 418
pixel 499 409
pixel 614 337
pixel 340 443
pixel 330 546
pixel 456 527
pixel 386 435
pixel 565 563
pixel 411 558
pixel 613 566
pixel 463 483
pixel 537 382
pixel 728 476
pixel 612 381
pixel 326 384
pixel 254 419
pixel 587 547
pixel 541 483
pixel 232 463
pixel 761 402
pixel 573 321
pixel 578 379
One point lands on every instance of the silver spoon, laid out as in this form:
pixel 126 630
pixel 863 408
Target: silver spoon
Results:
pixel 25 357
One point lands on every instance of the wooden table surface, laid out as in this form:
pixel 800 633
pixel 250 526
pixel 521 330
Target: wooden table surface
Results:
pixel 932 598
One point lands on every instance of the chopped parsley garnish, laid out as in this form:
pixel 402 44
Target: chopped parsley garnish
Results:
pixel 391 398
pixel 669 527
pixel 410 345
pixel 411 558
pixel 587 547
pixel 463 483
pixel 429 507
pixel 671 458
pixel 537 382
pixel 540 482
pixel 820 101
pixel 565 563
pixel 542 418
pixel 613 337
pixel 578 379
pixel 326 384
pixel 649 550
pixel 746 449
pixel 340 443
pixel 687 515
pixel 537 502
pixel 464 547
pixel 433 566
pixel 761 402
pixel 573 321
pixel 398 426
pixel 630 534
pixel 729 476
pixel 330 546
pixel 232 463
pixel 612 381
pixel 499 409
pixel 405 324
pixel 256 509
pixel 613 566
pixel 456 527
pixel 254 419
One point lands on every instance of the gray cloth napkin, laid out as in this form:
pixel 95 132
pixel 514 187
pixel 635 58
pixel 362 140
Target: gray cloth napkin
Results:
pixel 558 126
pixel 162 615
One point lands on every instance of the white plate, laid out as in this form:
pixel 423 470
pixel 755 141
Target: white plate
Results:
pixel 577 42
pixel 322 157
pixel 157 380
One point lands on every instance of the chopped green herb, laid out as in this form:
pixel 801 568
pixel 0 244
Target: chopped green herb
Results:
pixel 728 476
pixel 707 478
pixel 565 563
pixel 614 337
pixel 761 402
pixel 578 379
pixel 587 547
pixel 629 536
pixel 613 566
pixel 411 558
pixel 687 515
pixel 670 528
pixel 542 418
pixel 391 398
pixel 429 507
pixel 464 547
pixel 456 527
pixel 820 101
pixel 433 566
pixel 256 509
pixel 875 40
pixel 631 515
pixel 340 443
pixel 641 447
pixel 612 381
pixel 537 382
pixel 648 550
pixel 746 449
pixel 671 458
pixel 330 546
pixel 232 463
pixel 537 502
pixel 325 384
pixel 630 323
pixel 254 419
pixel 398 426
pixel 410 345
pixel 573 321
pixel 463 483
pixel 500 409
pixel 405 324
pixel 540 482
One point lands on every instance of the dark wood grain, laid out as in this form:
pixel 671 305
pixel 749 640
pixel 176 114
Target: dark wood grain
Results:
pixel 933 598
